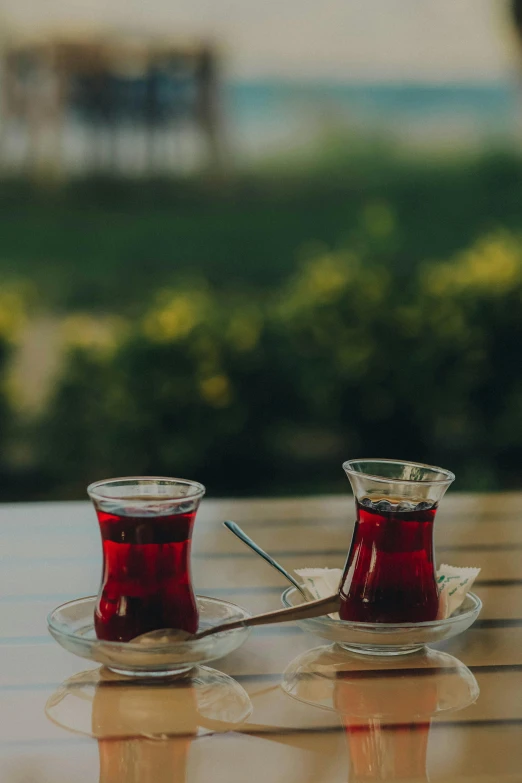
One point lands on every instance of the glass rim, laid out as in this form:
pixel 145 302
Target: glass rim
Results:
pixel 447 478
pixel 198 490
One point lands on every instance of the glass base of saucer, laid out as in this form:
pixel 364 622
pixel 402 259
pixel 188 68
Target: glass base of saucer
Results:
pixel 151 675
pixel 376 650
pixel 386 639
pixel 102 704
pixel 393 690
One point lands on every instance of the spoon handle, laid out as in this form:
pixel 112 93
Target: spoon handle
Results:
pixel 302 611
pixel 236 530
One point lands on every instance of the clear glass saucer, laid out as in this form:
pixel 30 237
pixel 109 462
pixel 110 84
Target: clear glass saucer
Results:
pixel 386 638
pixel 101 704
pixel 394 690
pixel 72 626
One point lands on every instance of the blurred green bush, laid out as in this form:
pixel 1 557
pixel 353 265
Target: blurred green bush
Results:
pixel 346 359
pixel 13 311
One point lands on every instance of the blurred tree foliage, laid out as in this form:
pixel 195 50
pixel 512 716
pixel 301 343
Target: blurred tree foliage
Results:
pixel 13 309
pixel 346 359
pixel 255 335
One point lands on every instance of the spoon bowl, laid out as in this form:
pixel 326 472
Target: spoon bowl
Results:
pixel 162 637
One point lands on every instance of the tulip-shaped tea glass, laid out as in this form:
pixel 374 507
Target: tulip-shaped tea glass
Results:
pixel 146 528
pixel 389 575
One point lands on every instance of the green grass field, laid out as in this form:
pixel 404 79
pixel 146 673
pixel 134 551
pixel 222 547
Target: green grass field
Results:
pixel 109 245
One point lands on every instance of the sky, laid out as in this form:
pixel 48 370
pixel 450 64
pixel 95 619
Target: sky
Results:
pixel 346 40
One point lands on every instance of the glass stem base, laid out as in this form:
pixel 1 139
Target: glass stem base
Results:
pixel 151 675
pixel 375 650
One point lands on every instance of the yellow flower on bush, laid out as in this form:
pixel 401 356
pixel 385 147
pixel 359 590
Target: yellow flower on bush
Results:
pixel 176 316
pixel 493 265
pixel 216 391
pixel 103 335
pixel 320 281
pixel 326 277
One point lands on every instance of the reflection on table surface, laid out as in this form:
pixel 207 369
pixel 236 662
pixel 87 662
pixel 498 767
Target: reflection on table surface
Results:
pixel 145 728
pixel 386 705
pixel 400 689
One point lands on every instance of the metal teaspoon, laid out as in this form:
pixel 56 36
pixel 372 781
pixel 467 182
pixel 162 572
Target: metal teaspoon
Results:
pixel 236 530
pixel 310 609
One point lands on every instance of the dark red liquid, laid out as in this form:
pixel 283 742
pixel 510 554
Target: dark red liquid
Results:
pixel 389 576
pixel 146 576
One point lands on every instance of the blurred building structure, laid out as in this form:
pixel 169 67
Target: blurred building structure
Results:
pixel 109 86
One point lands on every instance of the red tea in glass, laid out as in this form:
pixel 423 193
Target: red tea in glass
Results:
pixel 146 529
pixel 389 575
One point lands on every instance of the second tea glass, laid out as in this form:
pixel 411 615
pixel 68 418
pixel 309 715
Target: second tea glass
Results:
pixel 389 576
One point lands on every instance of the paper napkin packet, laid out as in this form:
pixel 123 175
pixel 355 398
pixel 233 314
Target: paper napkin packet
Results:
pixel 453 584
